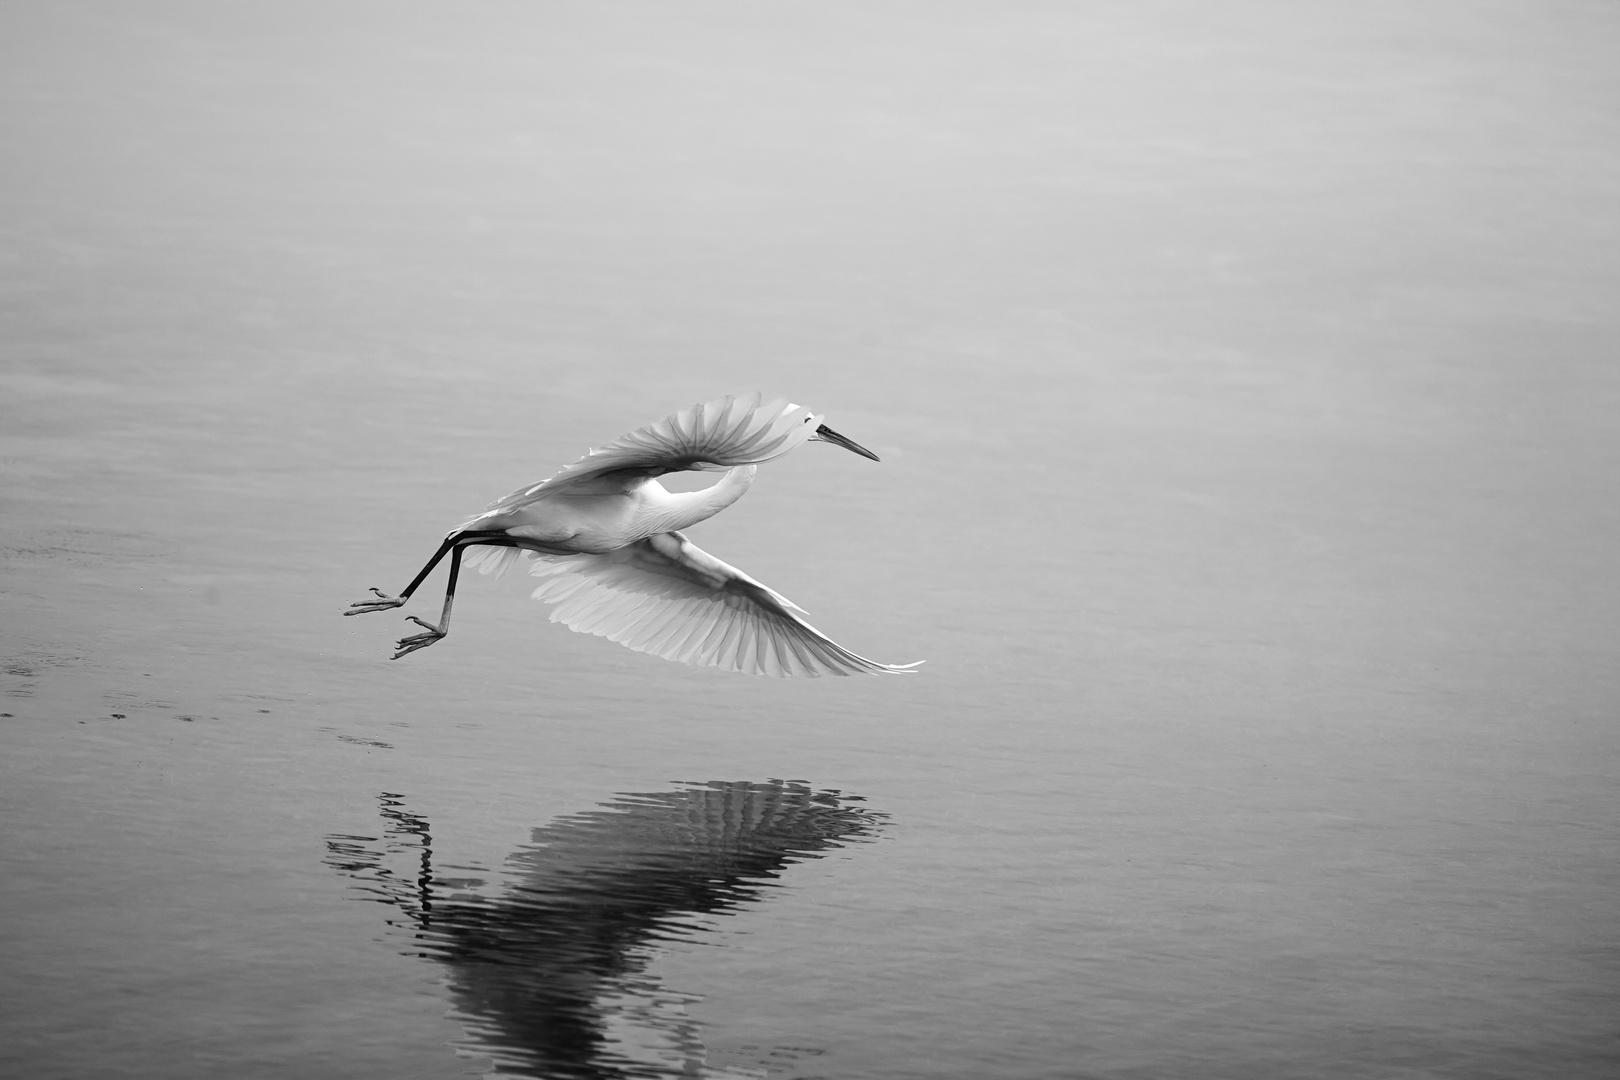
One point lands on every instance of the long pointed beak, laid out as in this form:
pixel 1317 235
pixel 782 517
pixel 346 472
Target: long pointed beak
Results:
pixel 827 434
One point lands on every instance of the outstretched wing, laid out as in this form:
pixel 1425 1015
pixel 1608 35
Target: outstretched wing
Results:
pixel 722 433
pixel 668 597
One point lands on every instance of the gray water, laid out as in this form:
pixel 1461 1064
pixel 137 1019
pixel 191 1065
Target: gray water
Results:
pixel 1245 380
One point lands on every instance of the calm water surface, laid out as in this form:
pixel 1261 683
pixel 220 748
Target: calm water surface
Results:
pixel 1244 379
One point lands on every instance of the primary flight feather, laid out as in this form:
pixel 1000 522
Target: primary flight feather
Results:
pixel 605 539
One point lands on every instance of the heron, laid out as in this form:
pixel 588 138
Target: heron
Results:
pixel 605 538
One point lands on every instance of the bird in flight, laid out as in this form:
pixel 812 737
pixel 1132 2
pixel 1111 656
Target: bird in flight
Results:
pixel 604 536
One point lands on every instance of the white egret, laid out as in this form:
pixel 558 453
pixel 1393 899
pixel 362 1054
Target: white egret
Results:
pixel 605 537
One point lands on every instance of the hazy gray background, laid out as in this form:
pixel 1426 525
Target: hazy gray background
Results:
pixel 1245 378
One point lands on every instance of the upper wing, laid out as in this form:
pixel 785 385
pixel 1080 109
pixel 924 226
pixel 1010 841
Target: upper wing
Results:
pixel 724 432
pixel 666 596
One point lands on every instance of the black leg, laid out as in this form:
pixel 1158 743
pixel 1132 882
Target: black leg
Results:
pixel 385 602
pixel 452 546
pixel 434 633
pixel 457 540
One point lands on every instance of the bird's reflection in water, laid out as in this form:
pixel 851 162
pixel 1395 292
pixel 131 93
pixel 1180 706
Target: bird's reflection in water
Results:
pixel 548 976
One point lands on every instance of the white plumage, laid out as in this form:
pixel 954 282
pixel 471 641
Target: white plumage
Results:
pixel 610 555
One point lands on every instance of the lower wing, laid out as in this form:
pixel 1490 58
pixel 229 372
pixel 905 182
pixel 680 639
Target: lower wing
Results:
pixel 668 597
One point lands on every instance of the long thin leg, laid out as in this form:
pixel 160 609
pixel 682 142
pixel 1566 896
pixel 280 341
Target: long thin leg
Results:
pixel 452 546
pixel 434 633
pixel 385 602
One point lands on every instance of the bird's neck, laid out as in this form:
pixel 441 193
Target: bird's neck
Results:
pixel 673 510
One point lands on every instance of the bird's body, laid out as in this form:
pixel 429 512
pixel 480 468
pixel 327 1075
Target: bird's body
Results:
pixel 605 535
pixel 609 513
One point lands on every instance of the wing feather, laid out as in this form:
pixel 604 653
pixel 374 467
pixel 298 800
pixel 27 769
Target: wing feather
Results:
pixel 579 603
pixel 702 644
pixel 782 645
pixel 763 654
pixel 639 630
pixel 747 658
pixel 725 652
pixel 695 628
pixel 718 434
pixel 607 617
pixel 671 622
pixel 667 597
pixel 657 627
pixel 487 559
pixel 720 646
pixel 617 629
pixel 802 652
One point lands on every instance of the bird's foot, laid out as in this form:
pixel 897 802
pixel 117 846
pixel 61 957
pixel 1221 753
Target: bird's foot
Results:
pixel 382 603
pixel 418 641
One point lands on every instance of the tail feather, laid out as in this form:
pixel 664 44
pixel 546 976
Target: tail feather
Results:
pixel 488 559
